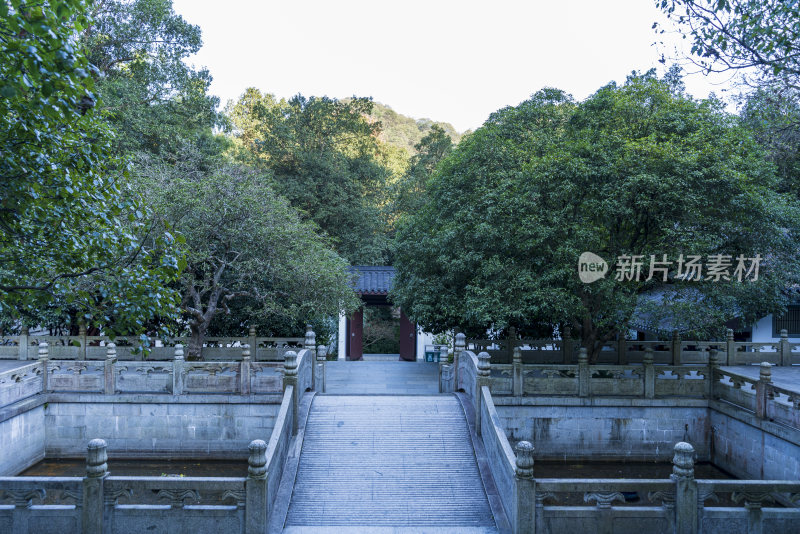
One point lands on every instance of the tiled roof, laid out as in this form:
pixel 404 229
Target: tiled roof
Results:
pixel 372 280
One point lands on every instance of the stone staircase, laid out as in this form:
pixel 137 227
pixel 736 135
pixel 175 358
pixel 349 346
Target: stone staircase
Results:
pixel 385 464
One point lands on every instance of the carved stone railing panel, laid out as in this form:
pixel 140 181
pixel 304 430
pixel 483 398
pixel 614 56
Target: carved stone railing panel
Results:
pixel 175 491
pixel 266 377
pixel 144 377
pixel 20 383
pixel 681 381
pixel 550 380
pixel 273 348
pixel 9 347
pixel 211 377
pixel 753 353
pixel 501 382
pixel 616 380
pixel 75 376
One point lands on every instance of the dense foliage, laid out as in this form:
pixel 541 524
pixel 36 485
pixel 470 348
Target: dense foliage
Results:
pixel 73 245
pixel 405 132
pixel 326 159
pixel 248 250
pixel 635 169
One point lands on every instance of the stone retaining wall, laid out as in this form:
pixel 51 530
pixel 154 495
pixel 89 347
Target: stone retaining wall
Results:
pixel 611 432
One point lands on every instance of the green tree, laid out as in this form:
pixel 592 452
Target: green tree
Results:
pixel 742 35
pixel 326 159
pixel 69 237
pixel 409 190
pixel 775 117
pixel 154 100
pixel 247 249
pixel 637 169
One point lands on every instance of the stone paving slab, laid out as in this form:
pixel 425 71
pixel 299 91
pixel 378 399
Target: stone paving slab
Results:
pixel 389 530
pixel 388 464
pixel 382 378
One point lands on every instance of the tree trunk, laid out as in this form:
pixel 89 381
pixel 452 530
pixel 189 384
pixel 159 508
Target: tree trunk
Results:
pixel 194 351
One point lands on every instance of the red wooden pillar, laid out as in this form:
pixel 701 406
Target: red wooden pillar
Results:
pixel 408 339
pixel 356 335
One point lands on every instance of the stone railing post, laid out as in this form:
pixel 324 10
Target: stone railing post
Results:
pixel 44 358
pixel 785 349
pixel 685 489
pixel 96 472
pixel 713 368
pixel 730 357
pixel 177 371
pixel 251 340
pixel 484 378
pixel 442 364
pixel 256 507
pixel 23 343
pixel 622 349
pixel 566 345
pixel 676 348
pixel 110 377
pixel 524 511
pixel 583 372
pixel 517 372
pixel 511 342
pixel 310 341
pixel 763 389
pixel 649 374
pixel 290 379
pixel 446 378
pixel 459 346
pixel 244 370
pixel 83 341
pixel 319 373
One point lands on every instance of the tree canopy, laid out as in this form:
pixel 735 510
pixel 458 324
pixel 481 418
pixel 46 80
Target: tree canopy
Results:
pixel 636 169
pixel 742 35
pixel 70 238
pixel 248 250
pixel 326 159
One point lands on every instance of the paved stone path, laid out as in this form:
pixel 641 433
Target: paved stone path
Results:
pixel 386 378
pixel 386 464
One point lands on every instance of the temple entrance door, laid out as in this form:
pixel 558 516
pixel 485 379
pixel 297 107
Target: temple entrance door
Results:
pixel 408 339
pixel 355 342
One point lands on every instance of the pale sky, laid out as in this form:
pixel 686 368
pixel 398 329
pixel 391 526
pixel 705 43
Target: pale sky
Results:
pixel 452 61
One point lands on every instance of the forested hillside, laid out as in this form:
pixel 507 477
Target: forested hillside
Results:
pixel 405 132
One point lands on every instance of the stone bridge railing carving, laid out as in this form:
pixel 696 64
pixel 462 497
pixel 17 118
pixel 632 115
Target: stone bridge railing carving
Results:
pixel 100 503
pixel 679 504
pixel 671 352
pixel 176 377
pixel 84 347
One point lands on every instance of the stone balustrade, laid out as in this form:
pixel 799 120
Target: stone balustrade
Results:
pixel 674 351
pixel 84 347
pixel 100 502
pixel 176 377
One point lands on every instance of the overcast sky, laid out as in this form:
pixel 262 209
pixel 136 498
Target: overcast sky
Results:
pixel 452 61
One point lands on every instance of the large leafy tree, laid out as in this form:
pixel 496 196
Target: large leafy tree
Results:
pixel 69 237
pixel 751 36
pixel 758 42
pixel 152 97
pixel 636 169
pixel 409 190
pixel 248 249
pixel 326 159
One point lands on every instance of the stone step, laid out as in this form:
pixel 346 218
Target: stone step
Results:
pixel 388 465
